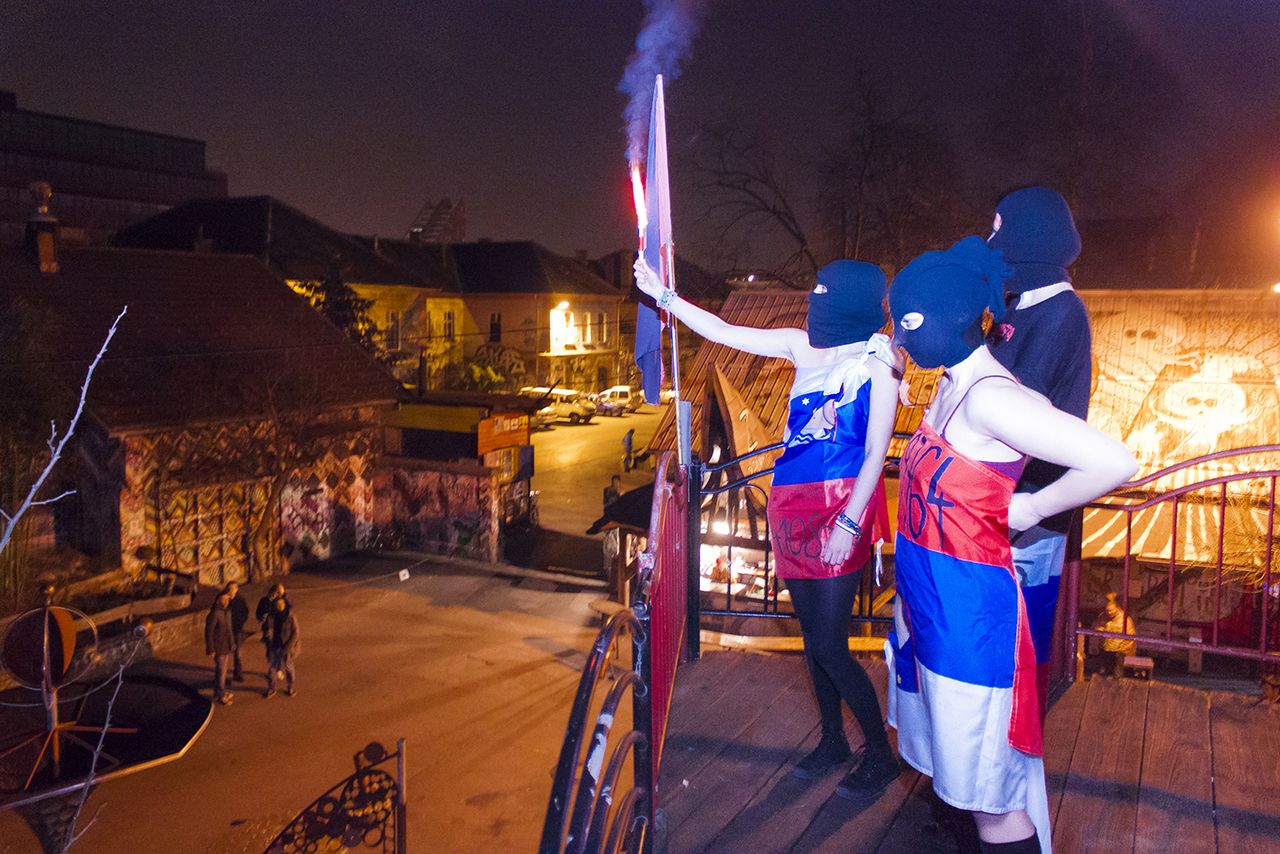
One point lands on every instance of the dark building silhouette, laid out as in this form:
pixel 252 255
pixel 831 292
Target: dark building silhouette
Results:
pixel 104 177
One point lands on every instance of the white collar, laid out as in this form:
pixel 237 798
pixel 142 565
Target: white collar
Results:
pixel 1035 296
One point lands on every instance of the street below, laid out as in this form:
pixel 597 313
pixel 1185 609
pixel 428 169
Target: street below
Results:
pixel 474 665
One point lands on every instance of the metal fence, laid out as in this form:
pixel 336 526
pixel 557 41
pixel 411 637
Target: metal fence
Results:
pixel 1194 547
pixel 592 808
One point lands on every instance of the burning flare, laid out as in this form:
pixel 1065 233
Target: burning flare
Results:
pixel 637 193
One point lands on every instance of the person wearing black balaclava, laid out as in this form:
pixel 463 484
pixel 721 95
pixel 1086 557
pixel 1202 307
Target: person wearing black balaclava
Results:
pixel 962 690
pixel 1049 349
pixel 826 502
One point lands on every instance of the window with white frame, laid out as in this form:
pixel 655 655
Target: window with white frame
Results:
pixel 448 326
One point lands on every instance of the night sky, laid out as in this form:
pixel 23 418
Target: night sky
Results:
pixel 359 118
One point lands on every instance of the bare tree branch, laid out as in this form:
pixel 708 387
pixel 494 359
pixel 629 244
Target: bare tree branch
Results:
pixel 57 444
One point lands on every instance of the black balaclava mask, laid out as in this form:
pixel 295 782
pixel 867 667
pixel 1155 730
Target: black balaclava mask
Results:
pixel 1037 236
pixel 937 302
pixel 846 304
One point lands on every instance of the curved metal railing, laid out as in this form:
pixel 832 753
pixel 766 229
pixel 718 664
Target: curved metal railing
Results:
pixel 1230 555
pixel 591 808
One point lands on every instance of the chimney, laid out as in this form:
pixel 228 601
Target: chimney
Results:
pixel 201 243
pixel 41 243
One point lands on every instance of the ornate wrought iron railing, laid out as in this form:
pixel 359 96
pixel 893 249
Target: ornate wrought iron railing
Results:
pixel 364 812
pixel 1199 541
pixel 592 808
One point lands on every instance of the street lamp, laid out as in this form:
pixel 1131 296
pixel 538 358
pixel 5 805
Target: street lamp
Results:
pixel 1275 289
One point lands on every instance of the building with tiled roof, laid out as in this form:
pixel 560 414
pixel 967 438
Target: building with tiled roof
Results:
pixel 415 307
pixel 228 422
pixel 531 312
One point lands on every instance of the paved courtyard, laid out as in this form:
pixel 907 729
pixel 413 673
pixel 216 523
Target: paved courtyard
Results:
pixel 474 666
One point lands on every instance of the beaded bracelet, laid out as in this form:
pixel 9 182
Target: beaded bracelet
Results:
pixel 849 525
pixel 665 298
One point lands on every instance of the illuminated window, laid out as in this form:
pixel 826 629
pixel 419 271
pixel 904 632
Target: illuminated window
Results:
pixel 430 330
pixel 604 328
pixel 448 326
pixel 587 336
pixel 495 326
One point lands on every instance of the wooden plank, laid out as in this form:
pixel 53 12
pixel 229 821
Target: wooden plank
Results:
pixel 760 738
pixel 1246 773
pixel 784 807
pixel 841 826
pixel 1175 799
pixel 916 828
pixel 1100 799
pixel 1061 729
pixel 698 729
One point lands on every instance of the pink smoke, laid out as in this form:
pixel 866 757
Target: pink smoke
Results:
pixel 665 37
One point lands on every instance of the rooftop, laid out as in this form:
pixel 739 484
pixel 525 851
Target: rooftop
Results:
pixel 207 337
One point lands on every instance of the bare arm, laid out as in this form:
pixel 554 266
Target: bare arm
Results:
pixel 884 405
pixel 779 343
pixel 1095 462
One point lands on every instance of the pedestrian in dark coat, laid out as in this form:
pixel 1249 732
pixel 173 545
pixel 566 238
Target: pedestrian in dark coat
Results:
pixel 219 641
pixel 266 605
pixel 239 618
pixel 283 644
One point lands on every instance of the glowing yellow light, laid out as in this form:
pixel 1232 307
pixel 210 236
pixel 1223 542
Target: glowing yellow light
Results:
pixel 563 305
pixel 1276 288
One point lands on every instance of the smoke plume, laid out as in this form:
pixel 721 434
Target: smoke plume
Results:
pixel 665 37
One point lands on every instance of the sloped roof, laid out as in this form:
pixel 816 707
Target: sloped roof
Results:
pixel 421 262
pixel 763 382
pixel 293 244
pixel 521 267
pixel 207 337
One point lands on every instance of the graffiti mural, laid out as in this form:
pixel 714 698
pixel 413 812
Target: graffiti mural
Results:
pixel 1178 375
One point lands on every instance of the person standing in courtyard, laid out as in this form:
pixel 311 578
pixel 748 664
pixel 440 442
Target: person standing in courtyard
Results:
pixel 239 619
pixel 266 605
pixel 219 641
pixel 283 645
pixel 962 688
pixel 827 497
pixel 1050 351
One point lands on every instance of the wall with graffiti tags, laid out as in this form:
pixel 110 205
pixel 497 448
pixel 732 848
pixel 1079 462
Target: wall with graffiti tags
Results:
pixel 443 508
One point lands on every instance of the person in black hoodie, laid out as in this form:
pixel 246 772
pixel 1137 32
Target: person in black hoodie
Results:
pixel 1045 341
pixel 219 641
pixel 283 643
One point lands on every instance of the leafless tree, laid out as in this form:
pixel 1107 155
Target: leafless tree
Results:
pixel 746 190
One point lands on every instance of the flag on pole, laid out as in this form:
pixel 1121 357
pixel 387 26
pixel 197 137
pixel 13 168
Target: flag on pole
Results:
pixel 656 246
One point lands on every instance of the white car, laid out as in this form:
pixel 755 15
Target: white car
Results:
pixel 623 396
pixel 562 404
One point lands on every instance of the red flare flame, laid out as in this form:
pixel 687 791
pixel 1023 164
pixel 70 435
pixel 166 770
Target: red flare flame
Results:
pixel 637 192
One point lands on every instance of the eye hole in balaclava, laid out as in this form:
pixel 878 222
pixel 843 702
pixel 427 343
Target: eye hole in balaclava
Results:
pixel 846 304
pixel 938 302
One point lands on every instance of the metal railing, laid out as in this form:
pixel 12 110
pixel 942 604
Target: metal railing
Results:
pixel 719 522
pixel 1209 530
pixel 589 809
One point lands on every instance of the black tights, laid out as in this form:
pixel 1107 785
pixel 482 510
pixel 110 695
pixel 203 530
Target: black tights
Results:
pixel 823 606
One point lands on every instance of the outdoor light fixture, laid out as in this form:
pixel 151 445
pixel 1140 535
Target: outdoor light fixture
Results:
pixel 563 306
pixel 1276 288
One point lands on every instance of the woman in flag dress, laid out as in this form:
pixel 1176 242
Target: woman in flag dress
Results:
pixel 827 486
pixel 963 696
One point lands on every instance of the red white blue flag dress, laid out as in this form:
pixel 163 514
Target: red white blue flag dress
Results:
pixel 813 479
pixel 962 666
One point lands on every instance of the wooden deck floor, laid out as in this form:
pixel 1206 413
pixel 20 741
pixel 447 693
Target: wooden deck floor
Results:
pixel 1132 766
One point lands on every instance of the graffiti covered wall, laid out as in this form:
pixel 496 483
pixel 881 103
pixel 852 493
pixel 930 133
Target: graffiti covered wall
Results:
pixel 1178 375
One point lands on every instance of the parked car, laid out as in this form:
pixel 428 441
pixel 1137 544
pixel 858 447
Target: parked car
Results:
pixel 608 406
pixel 562 404
pixel 622 394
